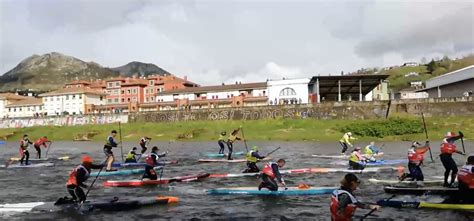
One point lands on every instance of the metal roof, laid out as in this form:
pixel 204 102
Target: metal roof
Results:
pixel 451 77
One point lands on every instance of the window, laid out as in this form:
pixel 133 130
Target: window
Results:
pixel 45 99
pixel 67 97
pixel 134 99
pixel 146 99
pixel 134 91
pixel 152 98
pixel 57 99
pixel 117 84
pixel 287 92
pixel 128 99
pixel 110 84
pixel 14 109
pixel 123 92
pixel 80 96
pixel 101 98
pixel 9 110
pixel 129 91
pixel 152 82
pixel 123 100
pixel 73 96
pixel 116 100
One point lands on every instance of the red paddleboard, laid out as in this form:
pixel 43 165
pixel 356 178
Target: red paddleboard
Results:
pixel 135 183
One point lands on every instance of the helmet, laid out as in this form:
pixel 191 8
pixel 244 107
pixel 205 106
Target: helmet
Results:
pixel 155 148
pixel 86 159
pixel 114 131
pixel 415 144
pixel 255 148
pixel 349 133
pixel 450 134
pixel 357 148
pixel 470 160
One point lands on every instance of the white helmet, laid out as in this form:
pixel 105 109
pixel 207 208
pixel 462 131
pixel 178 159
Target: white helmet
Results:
pixel 349 133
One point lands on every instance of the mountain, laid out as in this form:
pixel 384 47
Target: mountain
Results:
pixel 50 71
pixel 140 69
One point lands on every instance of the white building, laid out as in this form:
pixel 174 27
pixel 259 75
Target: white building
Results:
pixel 288 91
pixel 25 108
pixel 71 100
pixel 411 93
pixel 6 99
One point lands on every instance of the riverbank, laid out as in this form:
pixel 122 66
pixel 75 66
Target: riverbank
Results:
pixel 257 130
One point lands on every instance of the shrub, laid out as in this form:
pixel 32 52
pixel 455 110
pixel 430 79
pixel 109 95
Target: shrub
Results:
pixel 382 128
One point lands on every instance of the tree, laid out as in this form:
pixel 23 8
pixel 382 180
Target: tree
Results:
pixel 423 60
pixel 432 66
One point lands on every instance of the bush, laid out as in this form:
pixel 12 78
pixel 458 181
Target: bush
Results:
pixel 382 128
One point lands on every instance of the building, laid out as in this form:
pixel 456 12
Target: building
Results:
pixel 72 100
pixel 410 64
pixel 379 93
pixel 416 84
pixel 288 91
pixel 5 100
pixel 454 84
pixel 411 74
pixel 410 93
pixel 30 107
pixel 158 83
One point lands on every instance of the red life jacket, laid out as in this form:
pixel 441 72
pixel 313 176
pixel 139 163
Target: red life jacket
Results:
pixel 416 156
pixel 41 141
pixel 448 148
pixel 149 159
pixel 72 180
pixel 348 211
pixel 466 176
pixel 268 170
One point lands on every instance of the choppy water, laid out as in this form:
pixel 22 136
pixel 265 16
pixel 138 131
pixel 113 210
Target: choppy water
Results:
pixel 48 184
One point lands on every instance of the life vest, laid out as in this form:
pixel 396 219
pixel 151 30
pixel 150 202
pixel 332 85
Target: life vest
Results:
pixel 466 176
pixel 415 156
pixel 355 157
pixel 41 141
pixel 143 141
pixel 251 158
pixel 368 151
pixel 348 211
pixel 73 175
pixel 268 170
pixel 232 138
pixel 222 137
pixel 130 155
pixel 448 148
pixel 345 139
pixel 149 159
pixel 24 145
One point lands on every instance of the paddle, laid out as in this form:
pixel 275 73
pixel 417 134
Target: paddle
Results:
pixel 243 137
pixel 273 151
pixel 463 148
pixel 90 187
pixel 47 150
pixel 426 134
pixel 373 210
pixel 121 146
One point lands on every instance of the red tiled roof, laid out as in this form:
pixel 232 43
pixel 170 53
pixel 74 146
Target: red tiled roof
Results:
pixel 11 96
pixel 215 88
pixel 74 90
pixel 26 102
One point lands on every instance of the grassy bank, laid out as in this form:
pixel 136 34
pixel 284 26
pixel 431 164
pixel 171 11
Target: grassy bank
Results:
pixel 283 129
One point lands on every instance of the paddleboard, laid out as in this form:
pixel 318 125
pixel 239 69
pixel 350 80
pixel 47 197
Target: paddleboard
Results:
pixel 2 142
pixel 374 163
pixel 122 172
pixel 290 191
pixel 420 190
pixel 42 159
pixel 223 155
pixel 339 156
pixel 141 164
pixel 136 183
pixel 17 165
pixel 227 161
pixel 407 182
pixel 423 204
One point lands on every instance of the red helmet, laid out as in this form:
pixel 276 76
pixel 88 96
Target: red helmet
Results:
pixel 86 159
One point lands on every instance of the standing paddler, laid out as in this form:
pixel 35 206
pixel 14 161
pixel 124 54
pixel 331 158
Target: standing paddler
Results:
pixel 370 151
pixel 345 142
pixel 343 201
pixel 222 141
pixel 270 172
pixel 416 155
pixel 230 142
pixel 143 143
pixel 252 157
pixel 24 153
pixel 110 143
pixel 356 160
pixel 448 147
pixel 151 162
pixel 41 142
pixel 78 176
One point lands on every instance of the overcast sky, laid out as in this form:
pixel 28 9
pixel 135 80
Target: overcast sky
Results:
pixel 213 42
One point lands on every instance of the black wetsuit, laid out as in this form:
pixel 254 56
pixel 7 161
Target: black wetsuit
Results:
pixel 26 153
pixel 82 175
pixel 449 164
pixel 150 172
pixel 271 183
pixel 252 166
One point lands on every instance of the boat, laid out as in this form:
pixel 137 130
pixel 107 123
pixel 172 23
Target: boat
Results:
pixel 141 164
pixel 423 204
pixel 407 182
pixel 374 163
pixel 136 183
pixel 42 159
pixel 111 204
pixel 17 165
pixel 226 160
pixel 223 154
pixel 122 172
pixel 420 190
pixel 290 191
pixel 341 156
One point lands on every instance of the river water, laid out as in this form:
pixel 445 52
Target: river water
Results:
pixel 48 183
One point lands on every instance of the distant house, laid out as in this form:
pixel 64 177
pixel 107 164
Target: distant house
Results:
pixel 7 99
pixel 73 100
pixel 416 84
pixel 29 107
pixel 411 74
pixel 454 84
pixel 410 93
pixel 410 64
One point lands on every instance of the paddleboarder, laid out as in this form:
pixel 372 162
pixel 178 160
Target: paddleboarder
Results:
pixel 345 142
pixel 448 147
pixel 230 142
pixel 78 176
pixel 222 141
pixel 356 160
pixel 131 156
pixel 370 151
pixel 343 201
pixel 110 143
pixel 41 142
pixel 143 143
pixel 269 173
pixel 151 161
pixel 252 157
pixel 466 181
pixel 416 155
pixel 24 153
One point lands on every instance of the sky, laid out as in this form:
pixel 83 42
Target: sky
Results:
pixel 213 42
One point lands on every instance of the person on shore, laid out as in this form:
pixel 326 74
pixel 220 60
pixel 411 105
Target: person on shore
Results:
pixel 110 143
pixel 132 156
pixel 270 172
pixel 356 160
pixel 448 147
pixel 24 153
pixel 41 142
pixel 78 176
pixel 345 142
pixel 252 157
pixel 144 143
pixel 343 201
pixel 416 155
pixel 151 162
pixel 370 151
pixel 230 142
pixel 221 142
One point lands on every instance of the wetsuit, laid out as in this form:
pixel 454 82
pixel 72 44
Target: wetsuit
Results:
pixel 447 149
pixel 356 161
pixel 40 142
pixel 344 205
pixel 76 180
pixel 143 142
pixel 24 153
pixel 131 157
pixel 415 160
pixel 151 161
pixel 221 143
pixel 230 144
pixel 110 143
pixel 269 173
pixel 252 158
pixel 345 142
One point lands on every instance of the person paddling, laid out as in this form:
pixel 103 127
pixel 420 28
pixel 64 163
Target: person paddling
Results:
pixel 370 151
pixel 151 161
pixel 110 143
pixel 270 172
pixel 221 142
pixel 252 157
pixel 131 156
pixel 448 147
pixel 78 176
pixel 466 181
pixel 416 155
pixel 24 153
pixel 143 143
pixel 343 201
pixel 230 142
pixel 41 142
pixel 345 142
pixel 356 160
